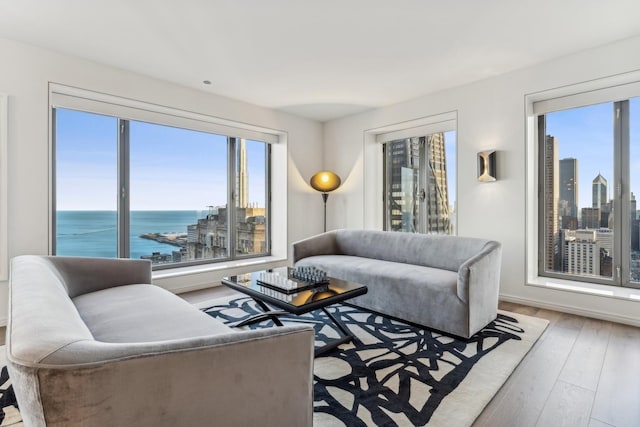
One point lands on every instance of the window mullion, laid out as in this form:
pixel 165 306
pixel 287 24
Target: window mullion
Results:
pixel 267 168
pixel 123 189
pixel 622 192
pixel 54 165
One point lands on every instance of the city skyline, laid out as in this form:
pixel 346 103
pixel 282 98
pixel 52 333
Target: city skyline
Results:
pixel 586 134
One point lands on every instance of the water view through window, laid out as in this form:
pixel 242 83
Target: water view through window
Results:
pixel 171 186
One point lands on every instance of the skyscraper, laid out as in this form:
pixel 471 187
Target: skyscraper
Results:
pixel 635 225
pixel 600 192
pixel 438 215
pixel 551 193
pixel 417 187
pixel 403 160
pixel 591 217
pixel 569 186
pixel 242 189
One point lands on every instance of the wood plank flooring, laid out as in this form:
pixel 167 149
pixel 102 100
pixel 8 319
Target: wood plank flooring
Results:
pixel 581 372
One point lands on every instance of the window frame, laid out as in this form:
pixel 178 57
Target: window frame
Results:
pixel 615 90
pixel 373 174
pixel 422 181
pixel 125 110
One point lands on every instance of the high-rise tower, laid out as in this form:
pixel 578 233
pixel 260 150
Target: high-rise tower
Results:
pixel 551 247
pixel 417 188
pixel 569 186
pixel 600 192
pixel 242 189
pixel 437 203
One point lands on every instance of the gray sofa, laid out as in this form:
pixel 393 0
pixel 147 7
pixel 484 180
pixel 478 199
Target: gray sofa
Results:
pixel 443 282
pixel 90 342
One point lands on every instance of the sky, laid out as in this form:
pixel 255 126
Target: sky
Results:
pixel 171 168
pixel 178 169
pixel 586 134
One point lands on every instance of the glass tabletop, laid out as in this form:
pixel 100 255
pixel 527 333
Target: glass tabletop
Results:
pixel 263 285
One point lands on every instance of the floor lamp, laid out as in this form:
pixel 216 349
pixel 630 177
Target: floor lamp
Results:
pixel 325 182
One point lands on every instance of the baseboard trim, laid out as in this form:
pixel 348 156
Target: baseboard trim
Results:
pixel 611 317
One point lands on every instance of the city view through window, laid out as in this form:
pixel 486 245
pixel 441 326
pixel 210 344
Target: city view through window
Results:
pixel 585 232
pixel 176 185
pixel 420 194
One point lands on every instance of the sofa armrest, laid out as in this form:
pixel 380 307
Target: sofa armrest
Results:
pixel 479 285
pixel 82 275
pixel 321 244
pixel 196 381
pixel 481 268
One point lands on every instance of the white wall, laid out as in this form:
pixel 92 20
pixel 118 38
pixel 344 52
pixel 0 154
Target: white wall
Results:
pixel 24 76
pixel 491 115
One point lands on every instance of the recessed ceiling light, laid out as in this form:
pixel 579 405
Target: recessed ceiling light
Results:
pixel 207 82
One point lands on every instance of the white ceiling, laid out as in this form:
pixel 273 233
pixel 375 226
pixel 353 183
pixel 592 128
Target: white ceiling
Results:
pixel 321 59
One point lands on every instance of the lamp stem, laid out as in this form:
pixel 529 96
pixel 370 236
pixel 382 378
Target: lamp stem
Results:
pixel 325 196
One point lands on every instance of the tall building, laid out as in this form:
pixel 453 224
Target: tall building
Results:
pixel 407 177
pixel 551 193
pixel 569 186
pixel 242 187
pixel 599 193
pixel 402 159
pixel 583 253
pixel 591 217
pixel 437 203
pixel 635 225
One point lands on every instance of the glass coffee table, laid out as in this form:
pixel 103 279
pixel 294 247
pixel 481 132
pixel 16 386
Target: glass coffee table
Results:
pixel 279 289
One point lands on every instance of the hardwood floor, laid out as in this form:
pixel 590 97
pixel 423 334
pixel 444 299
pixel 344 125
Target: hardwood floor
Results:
pixel 581 372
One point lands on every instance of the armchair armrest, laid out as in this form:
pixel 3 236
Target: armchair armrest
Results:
pixel 321 244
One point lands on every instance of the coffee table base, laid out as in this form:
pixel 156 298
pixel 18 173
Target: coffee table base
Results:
pixel 268 313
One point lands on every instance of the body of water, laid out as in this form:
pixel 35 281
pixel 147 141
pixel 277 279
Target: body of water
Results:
pixel 95 233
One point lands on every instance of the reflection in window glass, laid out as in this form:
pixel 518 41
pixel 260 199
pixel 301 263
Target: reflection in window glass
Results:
pixel 420 184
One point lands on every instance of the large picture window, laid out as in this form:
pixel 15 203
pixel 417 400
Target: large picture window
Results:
pixel 174 195
pixel 589 179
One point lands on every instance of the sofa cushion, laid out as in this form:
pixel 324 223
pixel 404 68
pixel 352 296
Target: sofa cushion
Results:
pixel 143 313
pixel 373 271
pixel 438 251
pixel 424 295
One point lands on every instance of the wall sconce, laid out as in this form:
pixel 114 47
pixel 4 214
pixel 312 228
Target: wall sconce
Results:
pixel 325 182
pixel 487 166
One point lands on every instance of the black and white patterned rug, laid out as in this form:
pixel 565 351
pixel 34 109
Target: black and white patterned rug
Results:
pixel 396 374
pixel 9 415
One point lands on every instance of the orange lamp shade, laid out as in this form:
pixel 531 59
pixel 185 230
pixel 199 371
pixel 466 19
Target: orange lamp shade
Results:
pixel 325 181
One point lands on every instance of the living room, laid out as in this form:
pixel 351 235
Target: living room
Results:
pixel 493 111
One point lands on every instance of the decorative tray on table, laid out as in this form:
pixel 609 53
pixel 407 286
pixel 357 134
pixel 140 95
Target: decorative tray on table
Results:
pixel 298 279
